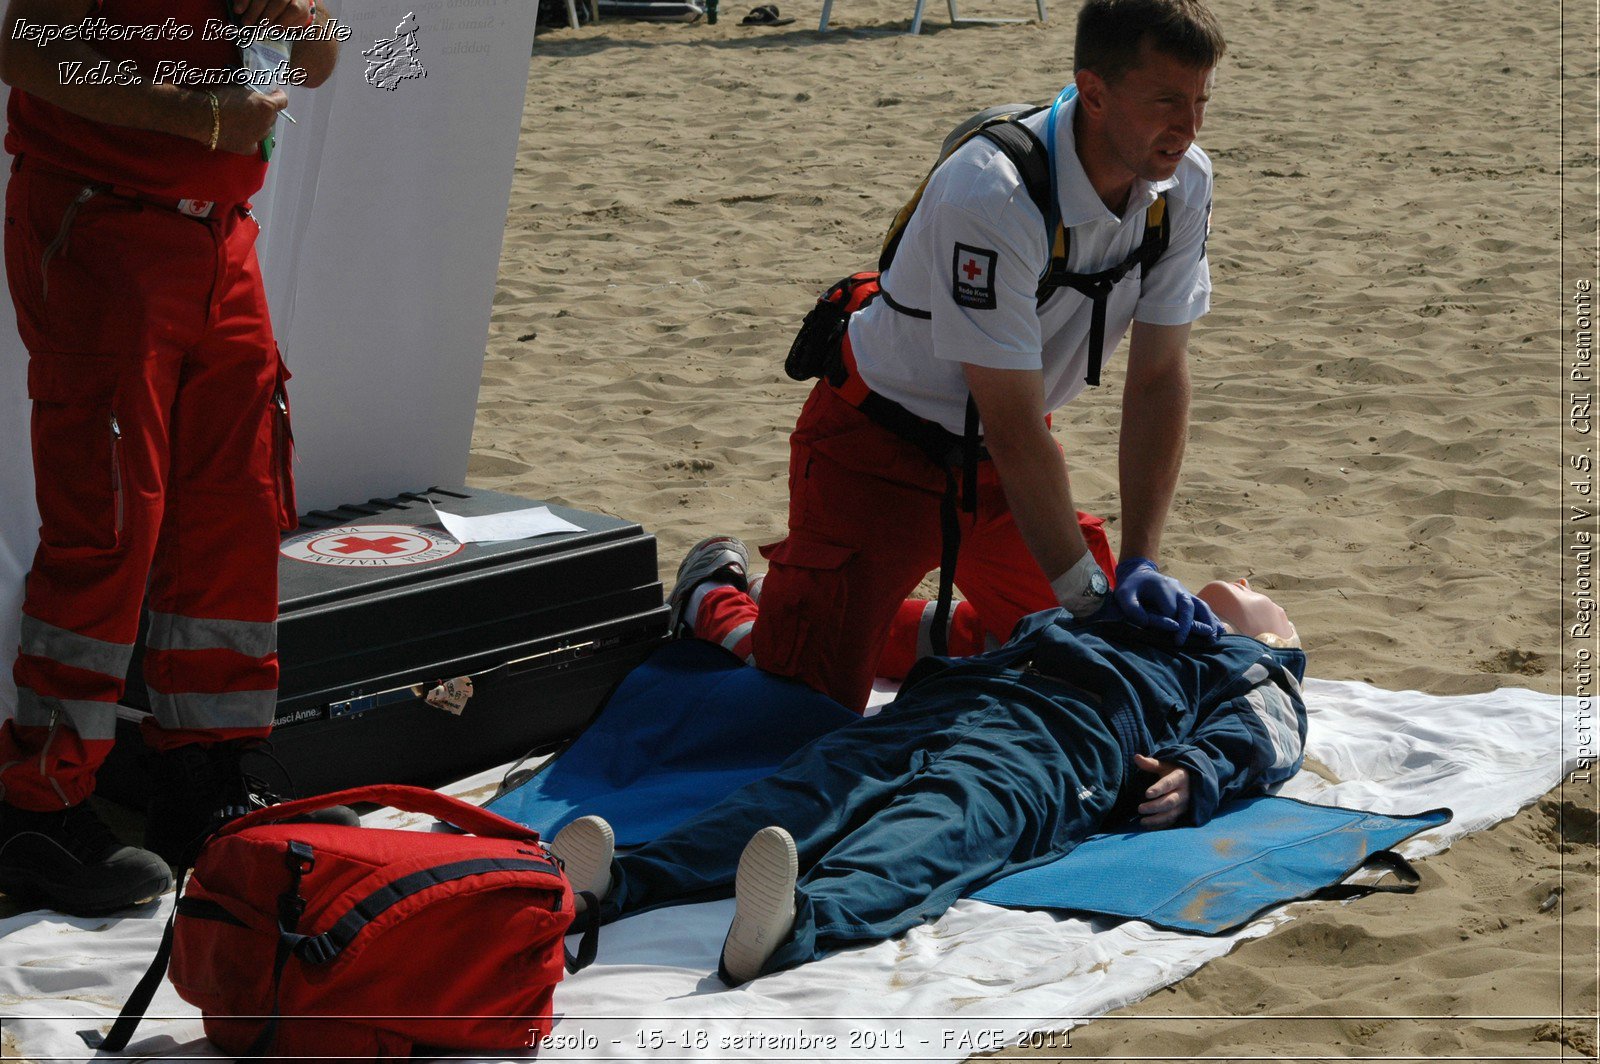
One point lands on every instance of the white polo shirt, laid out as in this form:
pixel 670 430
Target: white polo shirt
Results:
pixel 973 254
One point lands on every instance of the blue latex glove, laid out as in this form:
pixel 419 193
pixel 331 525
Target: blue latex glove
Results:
pixel 1150 599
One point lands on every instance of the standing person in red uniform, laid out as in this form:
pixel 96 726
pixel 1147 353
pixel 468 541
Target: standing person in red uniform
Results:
pixel 964 330
pixel 160 432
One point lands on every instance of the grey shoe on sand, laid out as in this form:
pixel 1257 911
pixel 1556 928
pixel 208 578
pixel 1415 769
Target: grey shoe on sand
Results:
pixel 585 848
pixel 763 891
pixel 720 557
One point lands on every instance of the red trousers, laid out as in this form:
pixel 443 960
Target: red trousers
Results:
pixel 161 464
pixel 863 532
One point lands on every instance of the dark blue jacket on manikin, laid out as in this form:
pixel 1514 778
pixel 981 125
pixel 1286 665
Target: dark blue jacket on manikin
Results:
pixel 1231 712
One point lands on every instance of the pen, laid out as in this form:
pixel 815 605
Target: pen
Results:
pixel 284 113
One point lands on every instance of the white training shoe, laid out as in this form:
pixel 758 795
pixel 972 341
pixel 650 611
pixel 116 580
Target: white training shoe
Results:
pixel 763 917
pixel 585 848
pixel 720 557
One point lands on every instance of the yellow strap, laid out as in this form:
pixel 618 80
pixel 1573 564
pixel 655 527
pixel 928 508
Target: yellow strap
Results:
pixel 1156 213
pixel 902 218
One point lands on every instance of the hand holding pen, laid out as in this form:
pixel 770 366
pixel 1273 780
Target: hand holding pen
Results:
pixel 246 116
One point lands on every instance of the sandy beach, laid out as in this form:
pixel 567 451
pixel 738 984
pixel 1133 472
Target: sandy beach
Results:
pixel 1377 412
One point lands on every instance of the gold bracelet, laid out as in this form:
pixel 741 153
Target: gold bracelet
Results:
pixel 216 119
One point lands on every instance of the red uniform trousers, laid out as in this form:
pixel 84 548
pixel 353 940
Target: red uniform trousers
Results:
pixel 161 463
pixel 863 532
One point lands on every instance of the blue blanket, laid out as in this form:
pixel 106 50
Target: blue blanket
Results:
pixel 693 724
pixel 690 725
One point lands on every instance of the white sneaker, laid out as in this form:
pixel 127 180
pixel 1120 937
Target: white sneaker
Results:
pixel 763 917
pixel 585 848
pixel 721 557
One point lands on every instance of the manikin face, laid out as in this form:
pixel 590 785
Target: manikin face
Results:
pixel 1249 612
pixel 1150 115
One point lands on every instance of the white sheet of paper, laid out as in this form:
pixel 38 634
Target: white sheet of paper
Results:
pixel 514 524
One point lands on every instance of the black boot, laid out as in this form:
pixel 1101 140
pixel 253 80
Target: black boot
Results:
pixel 69 860
pixel 201 786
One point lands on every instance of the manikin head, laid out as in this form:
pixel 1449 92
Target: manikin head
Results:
pixel 1249 612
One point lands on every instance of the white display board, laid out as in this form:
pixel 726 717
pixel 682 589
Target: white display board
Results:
pixel 382 219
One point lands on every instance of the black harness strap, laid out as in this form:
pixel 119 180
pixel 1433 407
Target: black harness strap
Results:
pixel 950 527
pixel 895 304
pixel 1098 286
pixel 971 451
pixel 1032 160
pixel 1028 153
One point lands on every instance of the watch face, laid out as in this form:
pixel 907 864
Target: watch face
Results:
pixel 1098 583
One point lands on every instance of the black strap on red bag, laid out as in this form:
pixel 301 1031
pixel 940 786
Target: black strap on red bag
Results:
pixel 138 1003
pixel 291 906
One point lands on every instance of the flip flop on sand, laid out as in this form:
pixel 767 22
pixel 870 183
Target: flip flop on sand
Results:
pixel 765 15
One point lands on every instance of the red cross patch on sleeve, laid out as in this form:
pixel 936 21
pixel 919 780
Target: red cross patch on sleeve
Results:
pixel 973 277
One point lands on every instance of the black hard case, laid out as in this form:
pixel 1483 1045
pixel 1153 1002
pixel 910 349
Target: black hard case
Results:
pixel 545 627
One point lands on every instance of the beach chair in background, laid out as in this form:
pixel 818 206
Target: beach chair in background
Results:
pixel 572 15
pixel 955 18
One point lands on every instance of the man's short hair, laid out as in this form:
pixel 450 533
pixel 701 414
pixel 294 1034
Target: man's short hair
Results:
pixel 1112 32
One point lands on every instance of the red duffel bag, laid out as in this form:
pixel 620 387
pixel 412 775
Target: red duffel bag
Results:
pixel 319 940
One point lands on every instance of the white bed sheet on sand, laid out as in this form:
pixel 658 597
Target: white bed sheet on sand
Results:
pixel 979 978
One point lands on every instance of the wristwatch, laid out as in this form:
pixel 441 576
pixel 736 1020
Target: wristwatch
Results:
pixel 1098 584
pixel 1082 589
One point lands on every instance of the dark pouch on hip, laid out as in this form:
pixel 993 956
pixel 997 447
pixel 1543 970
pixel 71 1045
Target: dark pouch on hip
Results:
pixel 817 350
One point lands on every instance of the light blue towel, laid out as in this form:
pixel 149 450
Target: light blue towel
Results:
pixel 1255 854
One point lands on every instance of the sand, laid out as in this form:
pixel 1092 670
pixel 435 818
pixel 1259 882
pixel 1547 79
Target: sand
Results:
pixel 1377 416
